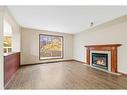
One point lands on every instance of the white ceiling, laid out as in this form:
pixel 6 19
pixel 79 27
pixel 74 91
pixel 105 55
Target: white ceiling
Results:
pixel 66 19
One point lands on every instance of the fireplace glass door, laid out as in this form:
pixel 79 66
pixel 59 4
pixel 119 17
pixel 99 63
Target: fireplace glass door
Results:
pixel 100 60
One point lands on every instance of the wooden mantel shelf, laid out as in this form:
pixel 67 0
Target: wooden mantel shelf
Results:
pixel 106 47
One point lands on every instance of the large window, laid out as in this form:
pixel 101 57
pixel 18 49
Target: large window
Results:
pixel 7 37
pixel 51 46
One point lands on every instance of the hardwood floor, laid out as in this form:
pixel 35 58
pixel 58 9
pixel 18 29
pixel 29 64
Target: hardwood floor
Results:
pixel 65 75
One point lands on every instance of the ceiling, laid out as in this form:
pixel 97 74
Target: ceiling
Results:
pixel 65 19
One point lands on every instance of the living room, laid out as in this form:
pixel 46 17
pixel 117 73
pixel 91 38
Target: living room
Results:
pixel 64 47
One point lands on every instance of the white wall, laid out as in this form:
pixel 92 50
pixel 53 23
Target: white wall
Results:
pixel 5 14
pixel 1 47
pixel 111 32
pixel 30 45
pixel 16 30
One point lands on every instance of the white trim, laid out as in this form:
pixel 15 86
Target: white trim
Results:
pixel 1 49
pixel 50 57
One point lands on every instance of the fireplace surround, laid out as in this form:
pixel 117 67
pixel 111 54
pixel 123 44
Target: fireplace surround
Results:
pixel 112 48
pixel 100 60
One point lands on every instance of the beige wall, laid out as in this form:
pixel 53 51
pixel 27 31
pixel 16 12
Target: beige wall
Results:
pixel 1 47
pixel 30 45
pixel 15 29
pixel 111 32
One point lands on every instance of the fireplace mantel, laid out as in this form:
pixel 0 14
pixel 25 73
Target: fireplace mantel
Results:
pixel 106 47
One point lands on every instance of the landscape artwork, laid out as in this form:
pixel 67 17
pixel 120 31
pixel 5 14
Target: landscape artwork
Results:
pixel 51 46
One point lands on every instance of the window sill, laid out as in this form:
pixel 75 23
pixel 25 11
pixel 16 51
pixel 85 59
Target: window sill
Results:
pixel 10 53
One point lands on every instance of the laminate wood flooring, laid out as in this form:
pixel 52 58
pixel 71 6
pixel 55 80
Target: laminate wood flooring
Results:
pixel 65 75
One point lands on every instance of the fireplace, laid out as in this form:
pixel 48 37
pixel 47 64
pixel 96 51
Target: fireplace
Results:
pixel 100 60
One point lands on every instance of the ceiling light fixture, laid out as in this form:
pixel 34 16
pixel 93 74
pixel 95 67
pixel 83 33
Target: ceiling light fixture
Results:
pixel 91 24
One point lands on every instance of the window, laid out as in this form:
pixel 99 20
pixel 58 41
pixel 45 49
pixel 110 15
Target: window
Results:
pixel 51 46
pixel 7 37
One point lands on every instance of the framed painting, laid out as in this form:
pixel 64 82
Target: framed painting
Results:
pixel 50 47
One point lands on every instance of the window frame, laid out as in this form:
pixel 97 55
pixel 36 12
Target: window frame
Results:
pixel 8 32
pixel 62 52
